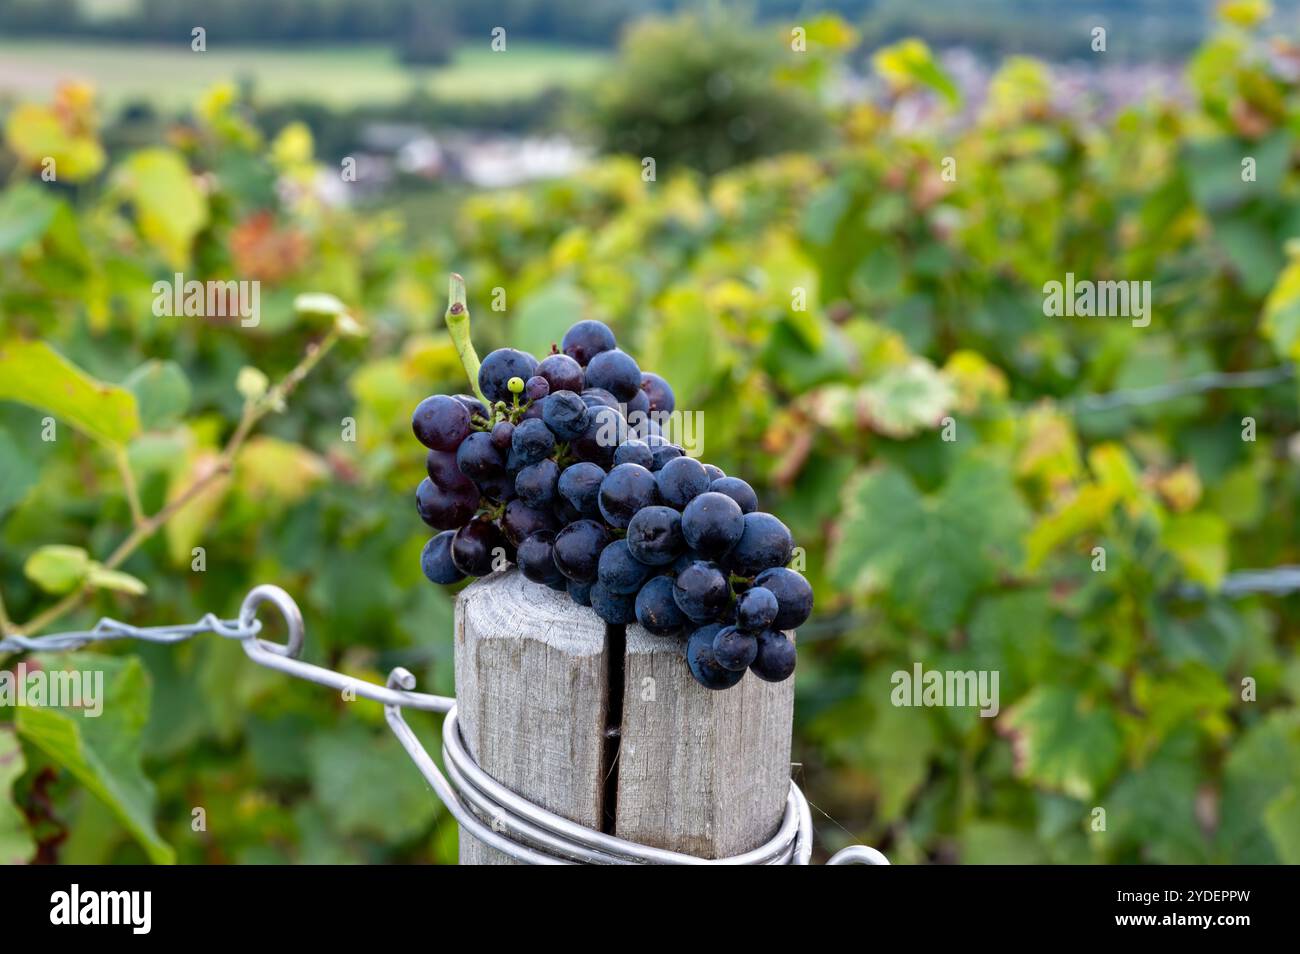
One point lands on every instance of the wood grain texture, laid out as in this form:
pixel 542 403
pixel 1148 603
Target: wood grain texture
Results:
pixel 531 688
pixel 700 771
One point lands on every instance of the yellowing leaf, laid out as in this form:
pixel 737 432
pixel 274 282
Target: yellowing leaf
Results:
pixel 1245 13
pixel 278 469
pixel 975 378
pixel 1199 541
pixel 169 206
pixel 1181 488
pixel 186 528
pixel 57 569
pixel 63 132
pixel 34 373
pixel 1281 316
pixel 116 580
pixel 909 64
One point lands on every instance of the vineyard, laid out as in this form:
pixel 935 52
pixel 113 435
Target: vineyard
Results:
pixel 978 484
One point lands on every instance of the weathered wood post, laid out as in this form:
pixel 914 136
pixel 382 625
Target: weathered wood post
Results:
pixel 605 726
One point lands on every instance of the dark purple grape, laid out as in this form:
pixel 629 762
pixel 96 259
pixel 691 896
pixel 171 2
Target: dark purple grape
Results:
pixel 503 433
pixel 587 339
pixel 577 549
pixel 619 570
pixel 711 523
pixel 637 404
pixel 565 414
pixel 737 490
pixel 475 407
pixel 685 560
pixel 616 372
pixel 521 521
pixel 536 388
pixel 617 609
pixel 443 471
pixel 536 483
pixel 794 596
pixel 580 593
pixel 606 429
pixel 580 485
pixel 534 411
pixel 500 488
pixel 704 667
pixel 625 490
pixel 659 392
pixel 440 422
pixel 593 396
pixel 499 367
pixel 680 481
pixel 536 558
pixel 663 452
pixel 654 535
pixel 733 649
pixel 564 511
pixel 756 609
pixel 478 459
pixel 633 452
pixel 702 591
pixel 656 609
pixel 532 441
pixel 715 473
pixel 765 544
pixel 776 657
pixel 435 559
pixel 562 373
pixel 445 509
pixel 476 546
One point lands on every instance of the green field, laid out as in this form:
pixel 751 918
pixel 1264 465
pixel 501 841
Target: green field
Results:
pixel 172 76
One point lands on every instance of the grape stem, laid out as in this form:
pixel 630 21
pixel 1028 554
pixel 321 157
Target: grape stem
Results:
pixel 457 319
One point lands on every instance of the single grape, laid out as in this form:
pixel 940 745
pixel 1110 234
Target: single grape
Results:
pixel 435 559
pixel 776 657
pixel 633 452
pixel 475 407
pixel 536 483
pixel 442 469
pixel 702 591
pixel 658 391
pixel 656 609
pixel 712 523
pixel 737 490
pixel 503 433
pixel 562 373
pixel 617 609
pixel 733 649
pixel 587 339
pixel 536 560
pixel 756 609
pixel 715 473
pixel 478 459
pixel 564 511
pixel 580 485
pixel 765 544
pixel 685 560
pixel 476 545
pixel 680 481
pixel 520 521
pixel 565 414
pixel 619 570
pixel 606 429
pixel 577 549
pixel 794 596
pixel 445 509
pixel 654 535
pixel 500 488
pixel 704 667
pixel 637 404
pixel 532 441
pixel 616 372
pixel 499 367
pixel 440 422
pixel 593 396
pixel 663 453
pixel 536 388
pixel 534 411
pixel 580 593
pixel 625 490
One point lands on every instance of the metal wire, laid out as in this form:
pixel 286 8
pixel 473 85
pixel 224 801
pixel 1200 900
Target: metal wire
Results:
pixel 518 828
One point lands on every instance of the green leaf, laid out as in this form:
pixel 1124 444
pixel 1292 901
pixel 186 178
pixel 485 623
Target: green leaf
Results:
pixel 545 315
pixel 909 63
pixel 115 580
pixel 1282 818
pixel 998 843
pixel 170 207
pixel 400 808
pixel 1262 767
pixel 16 845
pixel 929 555
pixel 687 347
pixel 162 393
pixel 18 475
pixel 1064 742
pixel 318 305
pixel 102 752
pixel 35 374
pixel 26 211
pixel 908 399
pixel 57 569
pixel 1199 541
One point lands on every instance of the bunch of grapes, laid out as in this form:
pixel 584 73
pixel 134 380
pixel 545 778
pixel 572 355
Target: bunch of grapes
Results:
pixel 561 467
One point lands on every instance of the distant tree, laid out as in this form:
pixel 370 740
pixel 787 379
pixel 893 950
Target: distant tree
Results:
pixel 425 34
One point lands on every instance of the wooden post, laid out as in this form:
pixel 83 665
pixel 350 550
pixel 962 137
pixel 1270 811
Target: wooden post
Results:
pixel 605 726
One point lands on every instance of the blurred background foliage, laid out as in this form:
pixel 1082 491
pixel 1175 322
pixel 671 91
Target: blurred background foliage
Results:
pixel 921 312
